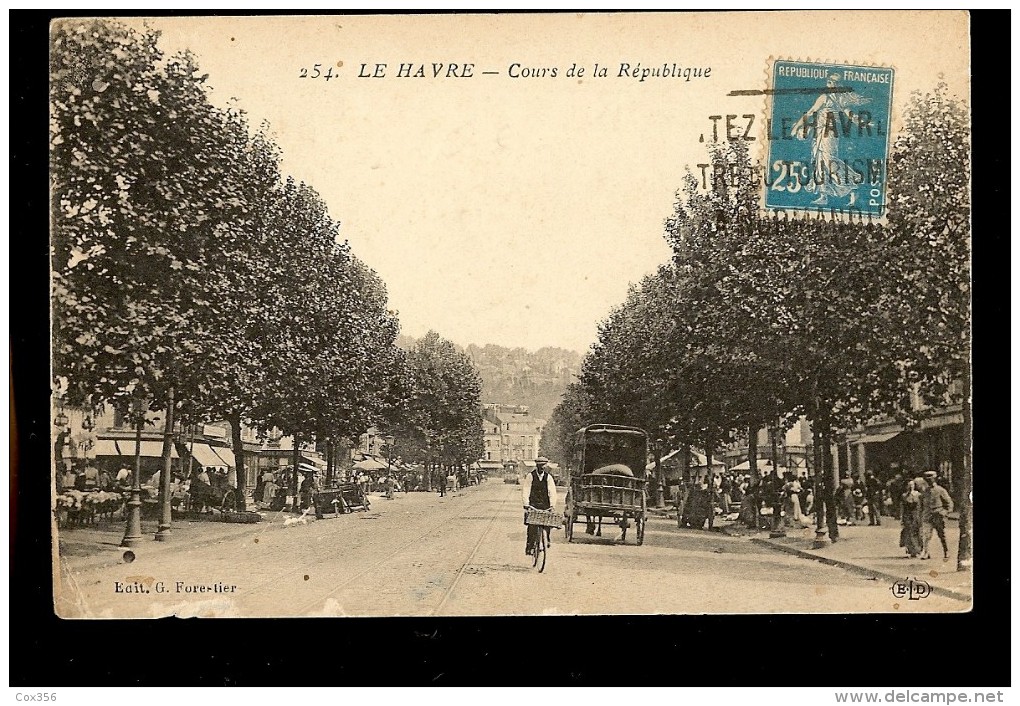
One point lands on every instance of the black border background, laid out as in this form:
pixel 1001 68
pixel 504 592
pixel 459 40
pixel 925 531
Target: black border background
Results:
pixel 659 650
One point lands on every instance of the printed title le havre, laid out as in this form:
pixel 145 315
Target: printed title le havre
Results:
pixel 516 70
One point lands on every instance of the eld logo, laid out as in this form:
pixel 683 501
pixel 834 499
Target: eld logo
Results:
pixel 911 589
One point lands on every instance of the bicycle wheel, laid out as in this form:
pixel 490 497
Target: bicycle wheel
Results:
pixel 540 550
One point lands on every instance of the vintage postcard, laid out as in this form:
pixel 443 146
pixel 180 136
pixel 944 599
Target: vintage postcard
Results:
pixel 511 314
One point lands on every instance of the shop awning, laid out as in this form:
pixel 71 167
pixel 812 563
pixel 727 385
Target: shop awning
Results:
pixel 226 454
pixel 206 457
pixel 369 464
pixel 106 447
pixel 313 461
pixel 150 449
pixel 307 468
pixel 879 438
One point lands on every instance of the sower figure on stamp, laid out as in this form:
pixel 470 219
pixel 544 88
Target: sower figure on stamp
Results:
pixel 830 175
pixel 935 505
pixel 539 491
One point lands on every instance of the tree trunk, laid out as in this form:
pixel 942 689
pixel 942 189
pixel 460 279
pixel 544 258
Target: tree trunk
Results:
pixel 777 502
pixel 831 476
pixel 711 483
pixel 165 518
pixel 820 485
pixel 752 469
pixel 683 502
pixel 295 461
pixel 660 500
pixel 241 480
pixel 964 558
pixel 329 463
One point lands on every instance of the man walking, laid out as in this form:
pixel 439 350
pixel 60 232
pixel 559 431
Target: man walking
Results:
pixel 873 493
pixel 935 505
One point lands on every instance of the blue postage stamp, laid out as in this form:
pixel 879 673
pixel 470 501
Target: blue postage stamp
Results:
pixel 828 137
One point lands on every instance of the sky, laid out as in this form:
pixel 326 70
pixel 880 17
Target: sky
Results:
pixel 517 210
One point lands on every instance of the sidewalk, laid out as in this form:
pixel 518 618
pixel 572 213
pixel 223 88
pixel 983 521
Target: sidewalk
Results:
pixel 96 546
pixel 874 551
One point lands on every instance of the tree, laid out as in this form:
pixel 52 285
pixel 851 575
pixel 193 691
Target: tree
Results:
pixel 137 187
pixel 929 224
pixel 442 415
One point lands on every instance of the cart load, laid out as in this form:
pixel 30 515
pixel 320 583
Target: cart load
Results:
pixel 613 469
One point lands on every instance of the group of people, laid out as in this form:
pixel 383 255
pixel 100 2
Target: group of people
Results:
pixel 85 477
pixel 923 508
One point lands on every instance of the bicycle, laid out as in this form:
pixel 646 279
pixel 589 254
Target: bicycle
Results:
pixel 540 520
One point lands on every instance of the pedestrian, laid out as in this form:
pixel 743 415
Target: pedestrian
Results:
pixel 123 479
pixel 791 503
pixel 269 489
pixel 725 496
pixel 538 490
pixel 772 496
pixel 910 532
pixel 442 484
pixel 846 500
pixel 91 476
pixel 859 508
pixel 873 489
pixel 307 490
pixel 935 505
pixel 894 491
pixel 105 480
pixel 68 479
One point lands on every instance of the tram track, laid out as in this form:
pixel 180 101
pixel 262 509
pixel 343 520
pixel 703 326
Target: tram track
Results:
pixel 474 550
pixel 321 599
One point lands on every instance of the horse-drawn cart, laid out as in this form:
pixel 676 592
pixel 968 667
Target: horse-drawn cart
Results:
pixel 607 480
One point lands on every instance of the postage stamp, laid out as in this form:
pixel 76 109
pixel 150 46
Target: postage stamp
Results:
pixel 828 137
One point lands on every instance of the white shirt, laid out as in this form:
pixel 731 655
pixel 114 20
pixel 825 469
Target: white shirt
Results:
pixel 549 483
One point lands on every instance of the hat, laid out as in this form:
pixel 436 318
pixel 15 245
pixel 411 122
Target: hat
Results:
pixel 541 459
pixel 930 474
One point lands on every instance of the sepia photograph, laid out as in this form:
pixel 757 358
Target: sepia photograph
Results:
pixel 448 315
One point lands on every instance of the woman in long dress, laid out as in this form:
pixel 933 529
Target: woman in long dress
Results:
pixel 910 535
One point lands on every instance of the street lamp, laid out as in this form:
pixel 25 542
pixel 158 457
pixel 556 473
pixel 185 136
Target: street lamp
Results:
pixel 389 452
pixel 133 526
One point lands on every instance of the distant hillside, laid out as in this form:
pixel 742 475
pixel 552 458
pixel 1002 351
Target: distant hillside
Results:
pixel 518 376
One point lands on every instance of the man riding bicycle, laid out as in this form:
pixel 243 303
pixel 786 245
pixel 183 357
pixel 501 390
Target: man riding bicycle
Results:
pixel 539 491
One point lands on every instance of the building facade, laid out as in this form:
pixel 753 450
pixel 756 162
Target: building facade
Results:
pixel 794 449
pixel 510 433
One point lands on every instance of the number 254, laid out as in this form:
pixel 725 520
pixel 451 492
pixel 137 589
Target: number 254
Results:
pixel 317 72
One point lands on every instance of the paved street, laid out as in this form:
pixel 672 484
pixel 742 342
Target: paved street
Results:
pixel 422 555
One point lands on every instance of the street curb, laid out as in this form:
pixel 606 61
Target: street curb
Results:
pixel 855 568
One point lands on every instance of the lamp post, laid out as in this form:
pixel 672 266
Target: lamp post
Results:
pixel 165 511
pixel 133 528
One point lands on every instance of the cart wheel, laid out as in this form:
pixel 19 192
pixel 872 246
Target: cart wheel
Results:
pixel 641 530
pixel 229 501
pixel 568 528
